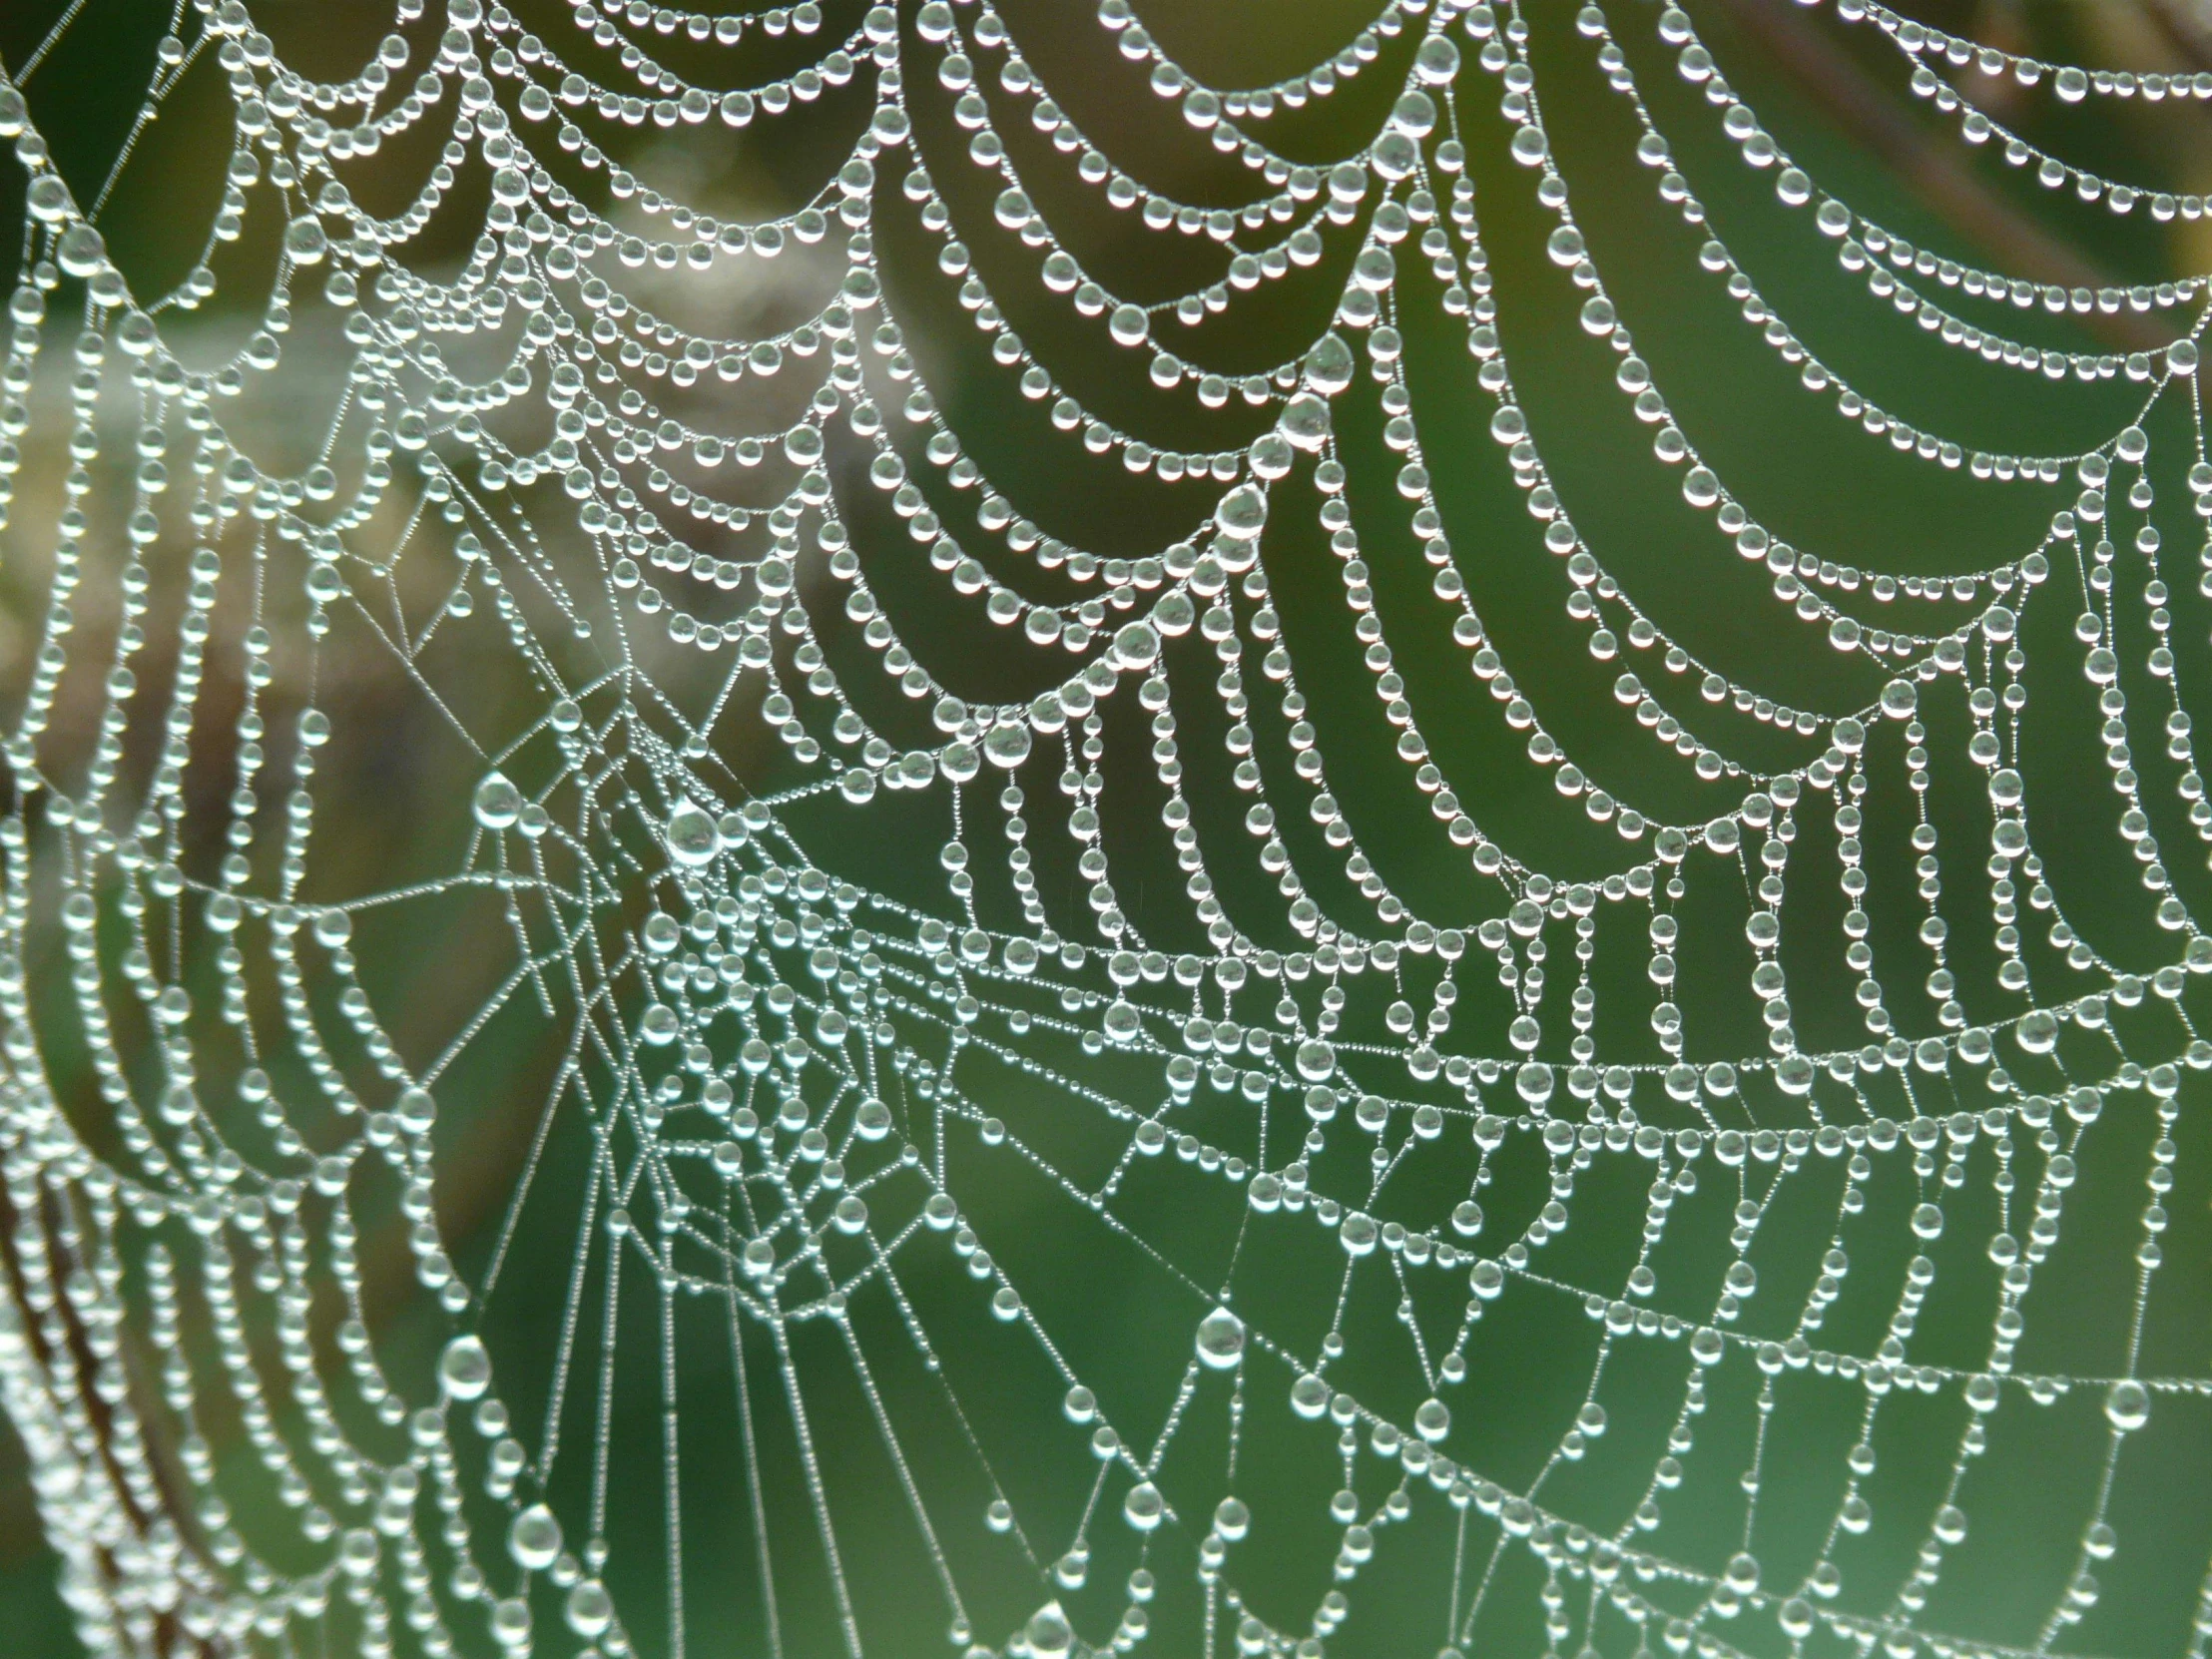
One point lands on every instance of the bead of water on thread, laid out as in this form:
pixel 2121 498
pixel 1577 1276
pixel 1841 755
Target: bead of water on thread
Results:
pixel 2128 1404
pixel 1144 1508
pixel 1221 1339
pixel 534 1538
pixel 464 1369
pixel 589 1608
pixel 1048 1632
pixel 1006 745
pixel 691 837
pixel 498 803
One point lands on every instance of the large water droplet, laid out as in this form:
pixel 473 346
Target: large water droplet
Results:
pixel 1144 1508
pixel 1241 513
pixel 1137 646
pixel 1007 746
pixel 1221 1339
pixel 2127 1403
pixel 498 801
pixel 691 837
pixel 590 1608
pixel 1304 421
pixel 534 1538
pixel 81 252
pixel 1317 1061
pixel 464 1371
pixel 1330 365
pixel 1049 1633
pixel 48 198
pixel 305 241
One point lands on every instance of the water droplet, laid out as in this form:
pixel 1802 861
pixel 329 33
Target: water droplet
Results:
pixel 1330 364
pixel 590 1608
pixel 2127 1403
pixel 1049 1633
pixel 693 839
pixel 464 1372
pixel 48 198
pixel 1144 1508
pixel 1221 1339
pixel 1006 745
pixel 534 1538
pixel 1304 421
pixel 1242 512
pixel 1232 1518
pixel 802 445
pixel 498 801
pixel 305 241
pixel 81 253
pixel 1137 646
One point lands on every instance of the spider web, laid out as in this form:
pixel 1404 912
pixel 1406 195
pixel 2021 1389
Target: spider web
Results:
pixel 1050 1118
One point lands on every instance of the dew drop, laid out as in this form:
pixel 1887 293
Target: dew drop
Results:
pixel 1241 513
pixel 498 801
pixel 1049 1633
pixel 1437 61
pixel 2128 1404
pixel 693 839
pixel 1006 745
pixel 1232 1518
pixel 48 198
pixel 2039 1031
pixel 534 1538
pixel 590 1608
pixel 1221 1339
pixel 1304 421
pixel 305 241
pixel 81 252
pixel 1330 365
pixel 464 1372
pixel 1137 646
pixel 1144 1508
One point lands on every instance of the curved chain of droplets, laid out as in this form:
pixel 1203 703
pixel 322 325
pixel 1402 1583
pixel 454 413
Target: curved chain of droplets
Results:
pixel 2070 82
pixel 796 1136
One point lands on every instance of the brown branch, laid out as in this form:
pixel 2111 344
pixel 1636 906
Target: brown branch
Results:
pixel 1932 169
